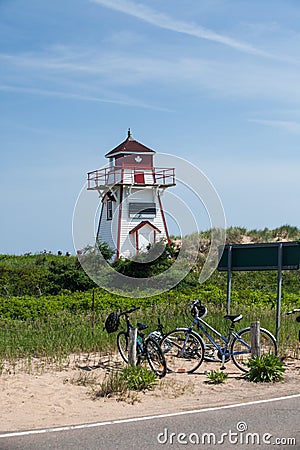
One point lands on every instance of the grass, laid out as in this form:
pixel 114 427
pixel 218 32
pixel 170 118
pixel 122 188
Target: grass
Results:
pixel 112 384
pixel 124 384
pixel 54 337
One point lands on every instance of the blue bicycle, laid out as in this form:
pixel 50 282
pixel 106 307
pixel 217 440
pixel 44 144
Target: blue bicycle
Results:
pixel 185 349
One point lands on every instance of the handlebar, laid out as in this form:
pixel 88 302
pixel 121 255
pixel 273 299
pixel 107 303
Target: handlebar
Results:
pixel 293 311
pixel 195 303
pixel 129 311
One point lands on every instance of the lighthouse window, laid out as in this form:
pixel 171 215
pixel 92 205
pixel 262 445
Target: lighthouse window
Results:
pixel 109 210
pixel 142 210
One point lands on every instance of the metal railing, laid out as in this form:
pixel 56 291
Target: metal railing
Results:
pixel 109 176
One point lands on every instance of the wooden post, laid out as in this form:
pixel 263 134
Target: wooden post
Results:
pixel 132 347
pixel 255 338
pixel 93 313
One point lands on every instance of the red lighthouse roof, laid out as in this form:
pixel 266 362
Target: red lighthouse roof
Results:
pixel 130 145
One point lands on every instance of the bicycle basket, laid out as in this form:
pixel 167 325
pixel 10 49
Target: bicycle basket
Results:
pixel 112 322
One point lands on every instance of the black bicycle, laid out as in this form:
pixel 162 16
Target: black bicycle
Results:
pixel 147 347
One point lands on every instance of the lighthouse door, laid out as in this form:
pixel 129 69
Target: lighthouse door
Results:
pixel 139 178
pixel 146 236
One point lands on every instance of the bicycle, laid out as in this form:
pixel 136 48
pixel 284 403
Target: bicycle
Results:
pixel 294 311
pixel 185 349
pixel 147 348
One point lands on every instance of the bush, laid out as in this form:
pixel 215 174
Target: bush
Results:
pixel 216 377
pixel 138 378
pixel 128 379
pixel 266 368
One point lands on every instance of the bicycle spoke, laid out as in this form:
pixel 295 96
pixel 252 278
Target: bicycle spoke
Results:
pixel 183 352
pixel 155 357
pixel 241 347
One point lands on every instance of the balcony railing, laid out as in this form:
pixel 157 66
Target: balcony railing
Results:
pixel 109 176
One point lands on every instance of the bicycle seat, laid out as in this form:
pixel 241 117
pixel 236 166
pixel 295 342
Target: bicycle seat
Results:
pixel 234 318
pixel 141 326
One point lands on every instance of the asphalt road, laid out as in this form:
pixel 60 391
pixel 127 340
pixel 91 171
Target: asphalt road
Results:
pixel 256 425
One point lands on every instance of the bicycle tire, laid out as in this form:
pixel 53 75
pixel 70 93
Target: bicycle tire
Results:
pixel 155 357
pixel 179 359
pixel 122 343
pixel 241 353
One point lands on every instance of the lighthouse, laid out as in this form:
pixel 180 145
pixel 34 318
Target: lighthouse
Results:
pixel 130 188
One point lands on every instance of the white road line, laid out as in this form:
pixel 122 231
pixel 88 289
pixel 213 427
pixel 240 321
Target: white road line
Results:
pixel 140 419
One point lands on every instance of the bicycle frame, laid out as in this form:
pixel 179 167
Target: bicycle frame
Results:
pixel 140 341
pixel 201 324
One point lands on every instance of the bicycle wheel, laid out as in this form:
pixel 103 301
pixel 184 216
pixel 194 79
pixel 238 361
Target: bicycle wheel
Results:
pixel 183 350
pixel 122 343
pixel 241 347
pixel 155 357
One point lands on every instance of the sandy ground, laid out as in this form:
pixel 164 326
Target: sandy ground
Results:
pixel 46 396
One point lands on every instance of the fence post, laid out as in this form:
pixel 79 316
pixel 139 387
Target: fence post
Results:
pixel 93 312
pixel 132 347
pixel 255 338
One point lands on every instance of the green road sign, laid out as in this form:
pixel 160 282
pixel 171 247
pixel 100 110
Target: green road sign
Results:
pixel 260 256
pixel 269 256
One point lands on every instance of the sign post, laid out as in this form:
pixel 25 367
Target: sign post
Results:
pixel 229 263
pixel 269 256
pixel 279 289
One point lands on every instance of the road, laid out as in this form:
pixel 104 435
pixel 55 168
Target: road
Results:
pixel 263 424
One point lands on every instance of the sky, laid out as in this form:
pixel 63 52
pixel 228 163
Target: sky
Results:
pixel 215 82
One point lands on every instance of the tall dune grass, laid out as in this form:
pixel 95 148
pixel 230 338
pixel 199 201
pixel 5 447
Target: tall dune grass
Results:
pixel 54 338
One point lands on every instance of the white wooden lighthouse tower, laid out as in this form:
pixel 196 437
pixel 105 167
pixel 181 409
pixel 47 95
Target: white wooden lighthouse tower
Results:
pixel 132 215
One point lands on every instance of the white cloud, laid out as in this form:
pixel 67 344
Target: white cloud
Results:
pixel 74 96
pixel 287 125
pixel 161 20
pixel 86 74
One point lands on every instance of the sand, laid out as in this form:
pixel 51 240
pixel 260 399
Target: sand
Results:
pixel 42 395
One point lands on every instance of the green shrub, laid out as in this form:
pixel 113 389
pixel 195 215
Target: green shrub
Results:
pixel 216 377
pixel 266 368
pixel 138 378
pixel 120 383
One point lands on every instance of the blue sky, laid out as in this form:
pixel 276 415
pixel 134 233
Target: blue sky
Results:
pixel 216 82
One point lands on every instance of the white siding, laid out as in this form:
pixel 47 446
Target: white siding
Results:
pixel 108 229
pixel 127 241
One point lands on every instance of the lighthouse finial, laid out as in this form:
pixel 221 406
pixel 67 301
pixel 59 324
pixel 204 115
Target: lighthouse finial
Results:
pixel 129 133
